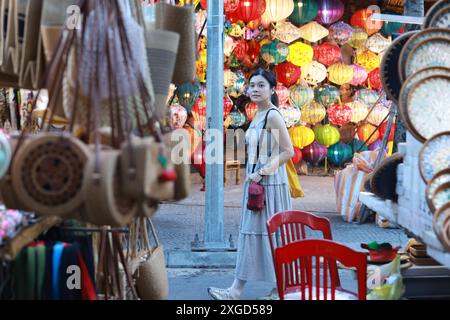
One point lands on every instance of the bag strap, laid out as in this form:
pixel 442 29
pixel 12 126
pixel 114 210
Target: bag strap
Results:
pixel 260 138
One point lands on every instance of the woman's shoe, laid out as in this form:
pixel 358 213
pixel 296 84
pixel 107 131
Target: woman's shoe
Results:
pixel 220 294
pixel 273 295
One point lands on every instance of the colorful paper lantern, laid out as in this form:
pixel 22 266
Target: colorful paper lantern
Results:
pixel 359 75
pixel 250 110
pixel 233 17
pixel 229 77
pixel 287 73
pixel 277 10
pixel 187 94
pixel 362 18
pixel 378 115
pixel 358 146
pixel 313 32
pixel 327 135
pixel 358 39
pixel 291 114
pixel 286 32
pixel 314 73
pixel 237 119
pixel 230 6
pixel 304 11
pixel 339 153
pixel 200 66
pixel 298 156
pixel 240 49
pixel 327 54
pixel 178 116
pixel 347 132
pixel 301 136
pixel 314 153
pixel 330 11
pixel 199 113
pixel 282 93
pixel 248 10
pixel 359 111
pixel 368 60
pixel 254 48
pixel 340 33
pixel 228 46
pixel 237 29
pixel 300 54
pixel 301 95
pixel 275 52
pixel 367 130
pixel 227 106
pixel 313 113
pixel 383 128
pixel 367 97
pixel 377 43
pixel 375 79
pixel 339 114
pixel 340 73
pixel 326 95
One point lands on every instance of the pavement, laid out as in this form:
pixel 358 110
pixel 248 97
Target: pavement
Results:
pixel 178 223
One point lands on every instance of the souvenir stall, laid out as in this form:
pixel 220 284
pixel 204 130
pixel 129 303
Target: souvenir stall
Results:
pixel 84 149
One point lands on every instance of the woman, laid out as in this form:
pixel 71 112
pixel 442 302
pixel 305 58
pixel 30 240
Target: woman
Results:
pixel 347 93
pixel 254 257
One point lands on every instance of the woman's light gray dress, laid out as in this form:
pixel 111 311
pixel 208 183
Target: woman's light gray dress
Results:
pixel 254 257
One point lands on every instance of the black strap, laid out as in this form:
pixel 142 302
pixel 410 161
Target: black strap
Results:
pixel 260 137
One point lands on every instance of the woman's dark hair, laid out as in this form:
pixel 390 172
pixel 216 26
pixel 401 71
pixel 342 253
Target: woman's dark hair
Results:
pixel 271 77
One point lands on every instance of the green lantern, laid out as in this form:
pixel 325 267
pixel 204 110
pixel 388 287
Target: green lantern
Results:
pixel 304 11
pixel 237 119
pixel 274 52
pixel 390 27
pixel 327 95
pixel 301 95
pixel 187 94
pixel 358 146
pixel 339 153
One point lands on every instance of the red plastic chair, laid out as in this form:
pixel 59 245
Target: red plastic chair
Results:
pixel 290 226
pixel 294 266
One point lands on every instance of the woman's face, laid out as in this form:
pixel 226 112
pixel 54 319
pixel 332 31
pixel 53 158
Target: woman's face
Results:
pixel 346 91
pixel 259 90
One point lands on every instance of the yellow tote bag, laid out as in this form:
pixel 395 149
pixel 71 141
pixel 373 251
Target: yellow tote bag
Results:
pixel 294 183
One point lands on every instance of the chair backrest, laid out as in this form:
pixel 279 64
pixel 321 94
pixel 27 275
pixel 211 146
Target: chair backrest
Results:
pixel 295 263
pixel 288 226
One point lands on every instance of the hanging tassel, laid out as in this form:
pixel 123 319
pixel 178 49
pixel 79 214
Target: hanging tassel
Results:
pixel 326 165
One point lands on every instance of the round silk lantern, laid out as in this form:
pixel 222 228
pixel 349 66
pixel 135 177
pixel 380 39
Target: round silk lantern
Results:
pixel 248 10
pixel 228 46
pixel 199 113
pixel 300 54
pixel 359 111
pixel 301 136
pixel 254 48
pixel 367 130
pixel 291 114
pixel 240 50
pixel 304 11
pixel 286 32
pixel 178 116
pixel 275 52
pixel 287 73
pixel 250 110
pixel 237 29
pixel 358 39
pixel 339 153
pixel 362 18
pixel 313 113
pixel 377 43
pixel 327 54
pixel 314 153
pixel 340 73
pixel 358 146
pixel 347 132
pixel 301 95
pixel 237 119
pixel 326 95
pixel 383 128
pixel 330 11
pixel 378 115
pixel 375 79
pixel 204 4
pixel 230 6
pixel 314 73
pixel 366 96
pixel 282 93
pixel 359 75
pixel 327 135
pixel 298 156
pixel 277 10
pixel 239 85
pixel 227 106
pixel 187 94
pixel 339 114
pixel 229 77
pixel 340 33
pixel 313 32
pixel 368 60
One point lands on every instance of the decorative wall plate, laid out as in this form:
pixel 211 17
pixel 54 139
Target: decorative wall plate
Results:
pixel 427 112
pixel 440 197
pixel 441 225
pixel 433 11
pixel 434 156
pixel 415 39
pixel 5 154
pixel 434 52
pixel 438 179
pixel 391 80
pixel 442 18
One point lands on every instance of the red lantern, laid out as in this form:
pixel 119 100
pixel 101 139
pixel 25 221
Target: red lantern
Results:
pixel 327 54
pixel 250 110
pixel 298 156
pixel 383 128
pixel 240 50
pixel 230 6
pixel 204 4
pixel 233 17
pixel 249 10
pixel 287 73
pixel 339 114
pixel 375 79
pixel 227 106
pixel 362 19
pixel 253 49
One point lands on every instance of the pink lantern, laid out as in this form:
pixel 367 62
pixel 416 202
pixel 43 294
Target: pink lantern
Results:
pixel 178 116
pixel 359 75
pixel 330 11
pixel 283 93
pixel 375 79
pixel 327 54
pixel 339 114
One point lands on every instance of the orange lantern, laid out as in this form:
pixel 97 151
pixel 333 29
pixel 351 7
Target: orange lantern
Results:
pixel 362 18
pixel 367 131
pixel 375 79
pixel 340 73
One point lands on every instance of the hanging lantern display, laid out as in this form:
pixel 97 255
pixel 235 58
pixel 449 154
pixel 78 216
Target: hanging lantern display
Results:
pixel 254 25
pixel 237 119
pixel 314 153
pixel 187 94
pixel 237 29
pixel 375 79
pixel 277 10
pixel 326 95
pixel 275 52
pixel 301 136
pixel 367 130
pixel 286 32
pixel 248 10
pixel 240 49
pixel 254 49
pixel 358 146
pixel 301 95
pixel 327 135
pixel 287 73
pixel 378 115
pixel 359 75
pixel 298 156
pixel 383 128
pixel 359 111
pixel 390 27
pixel 313 113
pixel 230 6
pixel 200 21
pixel 178 116
pixel 313 32
pixel 358 39
pixel 347 132
pixel 340 73
pixel 304 11
pixel 238 87
pixel 377 43
pixel 250 110
pixel 227 106
pixel 291 114
pixel 339 114
pixel 314 73
pixel 340 153
pixel 282 93
pixel 327 54
pixel 229 77
pixel 362 18
pixel 368 60
pixel 330 11
pixel 228 46
pixel 366 96
pixel 340 33
pixel 300 54
pixel 200 66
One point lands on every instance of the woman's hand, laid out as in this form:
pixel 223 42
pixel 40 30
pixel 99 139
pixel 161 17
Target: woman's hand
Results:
pixel 256 177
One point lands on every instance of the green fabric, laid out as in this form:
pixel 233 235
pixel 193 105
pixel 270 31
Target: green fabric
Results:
pixel 30 273
pixel 40 253
pixel 19 275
